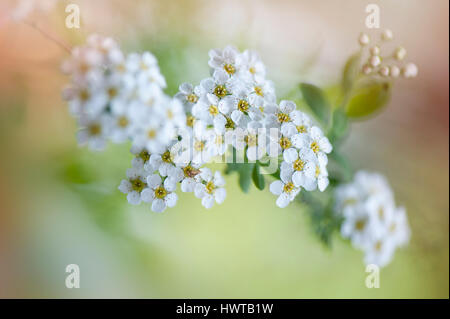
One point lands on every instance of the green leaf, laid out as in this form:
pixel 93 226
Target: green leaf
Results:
pixel 339 126
pixel 243 169
pixel 316 100
pixel 258 179
pixel 350 74
pixel 245 176
pixel 368 98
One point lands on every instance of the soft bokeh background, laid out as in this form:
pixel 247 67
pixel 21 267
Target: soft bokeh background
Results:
pixel 59 204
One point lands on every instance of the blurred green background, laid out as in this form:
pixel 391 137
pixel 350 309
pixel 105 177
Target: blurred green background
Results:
pixel 59 203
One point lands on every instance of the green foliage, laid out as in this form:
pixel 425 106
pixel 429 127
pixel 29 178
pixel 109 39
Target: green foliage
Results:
pixel 244 171
pixel 339 126
pixel 323 219
pixel 368 98
pixel 317 101
pixel 257 178
pixel 350 74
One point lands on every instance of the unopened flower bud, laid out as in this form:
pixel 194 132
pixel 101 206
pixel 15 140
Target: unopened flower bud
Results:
pixel 394 71
pixel 366 69
pixel 363 39
pixel 375 60
pixel 410 70
pixel 375 50
pixel 384 71
pixel 387 35
pixel 400 53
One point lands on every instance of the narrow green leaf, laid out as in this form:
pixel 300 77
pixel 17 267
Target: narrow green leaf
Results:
pixel 316 100
pixel 258 179
pixel 368 98
pixel 245 176
pixel 339 125
pixel 350 74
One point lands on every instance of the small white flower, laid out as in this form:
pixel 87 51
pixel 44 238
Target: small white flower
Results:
pixel 207 109
pixel 210 188
pixel 142 156
pixel 224 60
pixel 153 135
pixel 134 185
pixel 302 166
pixel 380 249
pixel 316 141
pixel 160 194
pixel 94 131
pixel 163 163
pixel 188 95
pixel 285 189
pixel 250 64
pixel 187 174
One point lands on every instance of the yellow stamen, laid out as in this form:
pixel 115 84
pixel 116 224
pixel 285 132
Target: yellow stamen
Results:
pixel 192 98
pixel 285 143
pixel 283 117
pixel 259 91
pixel 315 147
pixel 210 187
pixel 213 110
pixel 220 91
pixel 289 187
pixel 298 165
pixel 243 106
pixel 137 185
pixel 160 192
pixel 229 68
pixel 122 121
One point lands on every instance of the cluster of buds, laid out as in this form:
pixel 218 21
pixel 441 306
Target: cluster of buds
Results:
pixel 391 65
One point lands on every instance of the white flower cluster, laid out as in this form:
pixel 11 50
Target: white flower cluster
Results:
pixel 118 98
pixel 237 106
pixel 385 65
pixel 121 98
pixel 370 218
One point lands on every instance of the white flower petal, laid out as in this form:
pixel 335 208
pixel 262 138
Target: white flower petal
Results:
pixel 276 187
pixel 158 205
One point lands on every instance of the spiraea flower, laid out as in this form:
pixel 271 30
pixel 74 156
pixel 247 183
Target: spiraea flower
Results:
pixel 285 189
pixel 160 193
pixel 134 185
pixel 371 220
pixel 209 188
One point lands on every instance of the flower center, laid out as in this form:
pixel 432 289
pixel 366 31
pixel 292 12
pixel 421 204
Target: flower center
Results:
pixel 285 143
pixel 170 114
pixel 243 106
pixel 122 121
pixel 219 139
pixel 315 147
pixel 252 70
pixel 220 91
pixel 381 213
pixel 84 95
pixel 298 165
pixel 192 98
pixel 144 155
pixel 283 117
pixel 349 201
pixel 360 224
pixel 378 245
pixel 251 140
pixel 160 192
pixel 190 120
pixel 392 228
pixel 151 134
pixel 95 129
pixel 229 124
pixel 229 68
pixel 259 91
pixel 199 146
pixel 190 171
pixel 301 129
pixel 137 185
pixel 167 157
pixel 288 187
pixel 112 92
pixel 210 187
pixel 317 171
pixel 213 110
